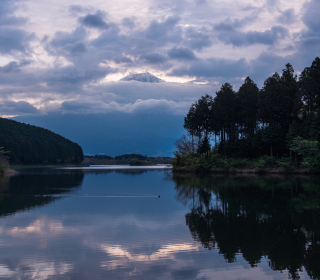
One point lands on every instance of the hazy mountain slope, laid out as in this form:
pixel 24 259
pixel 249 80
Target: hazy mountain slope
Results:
pixel 29 144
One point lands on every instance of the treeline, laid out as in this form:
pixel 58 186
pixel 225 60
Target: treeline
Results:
pixel 132 159
pixel 29 144
pixel 226 212
pixel 279 120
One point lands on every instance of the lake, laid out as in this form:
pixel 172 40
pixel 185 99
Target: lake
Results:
pixel 145 223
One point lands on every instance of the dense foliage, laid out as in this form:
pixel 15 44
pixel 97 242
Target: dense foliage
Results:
pixel 28 144
pixel 132 159
pixel 3 161
pixel 280 120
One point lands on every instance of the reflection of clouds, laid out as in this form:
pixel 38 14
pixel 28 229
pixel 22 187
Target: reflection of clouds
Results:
pixel 5 271
pixel 157 254
pixel 43 270
pixel 40 227
pixel 40 270
pixel 239 272
pixel 165 252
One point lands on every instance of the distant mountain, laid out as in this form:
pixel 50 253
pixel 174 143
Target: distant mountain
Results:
pixel 142 77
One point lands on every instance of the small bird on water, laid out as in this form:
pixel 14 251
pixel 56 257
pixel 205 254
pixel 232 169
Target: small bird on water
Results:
pixel 158 195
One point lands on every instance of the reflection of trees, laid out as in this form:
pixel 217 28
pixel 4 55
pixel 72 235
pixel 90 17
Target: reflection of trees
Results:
pixel 256 216
pixel 25 191
pixel 129 172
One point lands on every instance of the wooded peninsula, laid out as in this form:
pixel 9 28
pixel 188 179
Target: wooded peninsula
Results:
pixel 28 144
pixel 272 129
pixel 131 159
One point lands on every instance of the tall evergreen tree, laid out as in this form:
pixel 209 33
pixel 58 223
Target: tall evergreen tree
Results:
pixel 225 114
pixel 309 85
pixel 248 96
pixel 291 95
pixel 198 121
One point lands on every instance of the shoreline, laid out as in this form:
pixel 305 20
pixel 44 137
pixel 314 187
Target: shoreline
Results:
pixel 246 170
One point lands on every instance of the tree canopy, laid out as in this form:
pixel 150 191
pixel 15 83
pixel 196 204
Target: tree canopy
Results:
pixel 253 122
pixel 29 144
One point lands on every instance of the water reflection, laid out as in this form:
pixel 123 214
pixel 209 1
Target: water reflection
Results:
pixel 256 217
pixel 36 187
pixel 111 224
pixel 125 171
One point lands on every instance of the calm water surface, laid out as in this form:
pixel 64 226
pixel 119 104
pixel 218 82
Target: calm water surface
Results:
pixel 106 223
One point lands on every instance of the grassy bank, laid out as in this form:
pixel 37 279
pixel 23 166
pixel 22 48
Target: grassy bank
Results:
pixel 214 163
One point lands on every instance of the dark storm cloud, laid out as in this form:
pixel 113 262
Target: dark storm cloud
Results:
pixel 308 44
pixel 197 40
pixel 13 67
pixel 154 106
pixel 11 21
pixel 63 38
pixel 165 31
pixel 226 68
pixel 153 58
pixel 156 45
pixel 67 44
pixel 14 40
pixel 17 108
pixel 265 65
pixel 75 76
pixel 77 9
pixel 94 21
pixel 110 39
pixel 128 22
pixel 76 106
pixel 311 17
pixel 7 7
pixel 122 59
pixel 201 2
pixel 288 16
pixel 130 91
pixel 76 48
pixel 181 53
pixel 230 35
pixel 142 46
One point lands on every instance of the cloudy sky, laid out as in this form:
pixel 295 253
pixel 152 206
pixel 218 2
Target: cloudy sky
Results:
pixel 61 61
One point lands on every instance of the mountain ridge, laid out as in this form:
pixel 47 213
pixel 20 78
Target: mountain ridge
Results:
pixel 142 77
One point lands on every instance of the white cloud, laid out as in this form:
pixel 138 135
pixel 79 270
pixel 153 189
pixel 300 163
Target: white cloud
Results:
pixel 64 52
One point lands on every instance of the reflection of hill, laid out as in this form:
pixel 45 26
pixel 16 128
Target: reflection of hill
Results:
pixel 129 172
pixel 25 191
pixel 256 216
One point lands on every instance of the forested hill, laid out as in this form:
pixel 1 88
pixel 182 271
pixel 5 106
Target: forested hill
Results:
pixel 29 144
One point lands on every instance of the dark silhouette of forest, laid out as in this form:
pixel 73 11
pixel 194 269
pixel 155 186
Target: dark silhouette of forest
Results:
pixel 132 159
pixel 23 192
pixel 29 144
pixel 279 121
pixel 276 218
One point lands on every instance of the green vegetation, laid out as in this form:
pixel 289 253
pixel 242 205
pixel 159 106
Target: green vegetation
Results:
pixel 3 161
pixel 132 159
pixel 273 129
pixel 28 144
